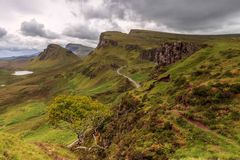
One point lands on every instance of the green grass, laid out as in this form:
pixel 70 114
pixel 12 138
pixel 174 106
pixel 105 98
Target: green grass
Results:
pixel 96 76
pixel 4 76
pixel 24 113
pixel 46 133
pixel 86 86
pixel 13 148
pixel 29 121
pixel 209 59
pixel 206 145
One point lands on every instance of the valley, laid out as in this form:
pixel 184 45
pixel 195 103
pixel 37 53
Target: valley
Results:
pixel 169 96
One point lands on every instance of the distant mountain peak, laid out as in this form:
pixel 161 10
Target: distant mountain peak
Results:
pixel 79 49
pixel 54 51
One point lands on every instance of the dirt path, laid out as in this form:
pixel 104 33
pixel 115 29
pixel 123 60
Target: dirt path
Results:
pixel 137 85
pixel 207 129
pixel 194 122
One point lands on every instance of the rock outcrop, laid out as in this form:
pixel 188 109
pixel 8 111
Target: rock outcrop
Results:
pixel 131 47
pixel 105 42
pixel 170 52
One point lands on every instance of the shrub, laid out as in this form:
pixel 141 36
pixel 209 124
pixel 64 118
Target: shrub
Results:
pixel 129 103
pixel 180 81
pixel 235 116
pixel 144 98
pixel 230 53
pixel 82 113
pixel 189 115
pixel 202 91
pixel 180 121
pixel 220 85
pixel 167 125
pixel 200 73
pixel 210 114
pixel 221 97
pixel 204 95
pixel 228 74
pixel 235 88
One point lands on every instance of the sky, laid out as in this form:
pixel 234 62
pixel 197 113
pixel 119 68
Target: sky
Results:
pixel 28 26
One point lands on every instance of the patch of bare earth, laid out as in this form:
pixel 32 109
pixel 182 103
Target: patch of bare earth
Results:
pixel 50 151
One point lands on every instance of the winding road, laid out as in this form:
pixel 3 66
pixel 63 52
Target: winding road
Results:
pixel 137 85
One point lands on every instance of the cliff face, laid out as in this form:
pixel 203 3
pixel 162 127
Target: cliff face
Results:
pixel 104 42
pixel 169 53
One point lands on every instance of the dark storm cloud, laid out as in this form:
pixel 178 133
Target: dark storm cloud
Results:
pixel 108 10
pixel 3 32
pixel 33 28
pixel 179 15
pixel 185 15
pixel 81 31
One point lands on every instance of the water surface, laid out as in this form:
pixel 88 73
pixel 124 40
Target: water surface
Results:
pixel 21 73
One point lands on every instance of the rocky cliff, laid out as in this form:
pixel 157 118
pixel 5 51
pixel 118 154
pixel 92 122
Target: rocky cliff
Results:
pixel 170 52
pixel 167 52
pixel 105 42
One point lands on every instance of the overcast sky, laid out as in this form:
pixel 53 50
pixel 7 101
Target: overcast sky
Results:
pixel 28 26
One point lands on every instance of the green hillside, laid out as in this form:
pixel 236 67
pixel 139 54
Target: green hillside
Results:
pixel 186 109
pixel 194 114
pixel 12 148
pixel 53 56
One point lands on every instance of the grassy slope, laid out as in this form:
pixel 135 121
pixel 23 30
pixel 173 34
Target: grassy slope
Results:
pixel 27 120
pixel 226 126
pixel 13 148
pixel 96 76
pixel 23 106
pixel 53 56
pixel 4 76
pixel 221 64
pixel 204 144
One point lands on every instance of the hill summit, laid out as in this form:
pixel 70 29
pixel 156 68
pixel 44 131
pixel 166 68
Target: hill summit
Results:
pixel 53 55
pixel 54 51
